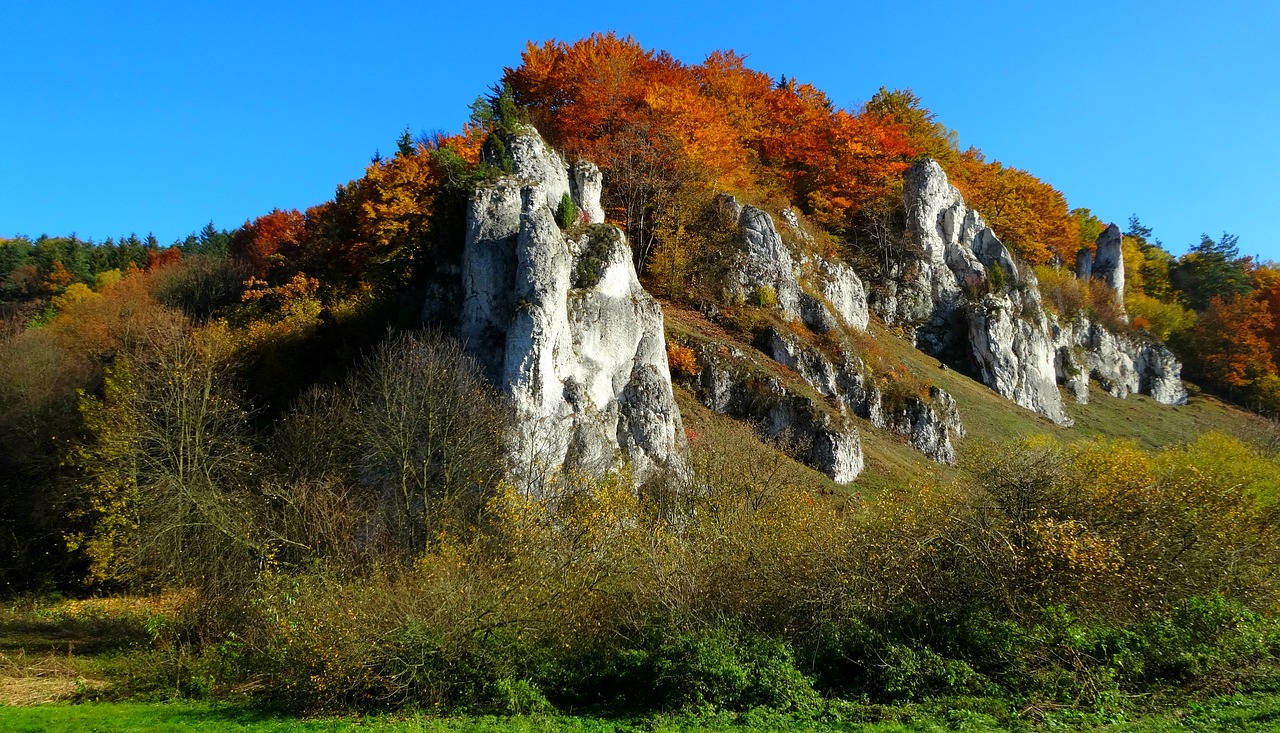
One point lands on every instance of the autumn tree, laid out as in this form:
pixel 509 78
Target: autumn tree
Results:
pixel 430 435
pixel 1212 269
pixel 1228 345
pixel 927 135
pixel 1028 215
pixel 269 240
pixel 165 467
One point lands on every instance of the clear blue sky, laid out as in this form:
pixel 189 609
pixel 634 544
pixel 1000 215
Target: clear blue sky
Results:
pixel 161 116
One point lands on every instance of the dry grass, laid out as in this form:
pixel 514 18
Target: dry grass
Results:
pixel 43 678
pixel 49 649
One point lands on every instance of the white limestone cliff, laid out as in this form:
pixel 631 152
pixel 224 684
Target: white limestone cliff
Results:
pixel 560 323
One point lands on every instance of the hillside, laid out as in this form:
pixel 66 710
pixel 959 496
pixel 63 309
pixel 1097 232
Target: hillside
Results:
pixel 659 387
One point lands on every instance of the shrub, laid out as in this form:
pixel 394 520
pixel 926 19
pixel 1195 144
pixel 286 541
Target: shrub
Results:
pixel 566 212
pixel 682 360
pixel 716 668
pixel 765 297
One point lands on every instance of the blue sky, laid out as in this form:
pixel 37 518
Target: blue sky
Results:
pixel 159 117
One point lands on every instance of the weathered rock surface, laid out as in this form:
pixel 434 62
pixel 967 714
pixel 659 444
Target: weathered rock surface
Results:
pixel 1108 263
pixel 929 425
pixel 587 185
pixel 563 326
pixel 954 293
pixel 1121 365
pixel 730 384
pixel 832 298
pixel 765 261
pixel 766 264
pixel 842 288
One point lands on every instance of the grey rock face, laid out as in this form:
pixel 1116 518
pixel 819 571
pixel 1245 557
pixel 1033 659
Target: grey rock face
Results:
pixel 565 329
pixel 587 185
pixel 1108 263
pixel 1069 360
pixel 534 162
pixel 1014 354
pixel 766 262
pixel 1121 365
pixel 1160 375
pixel 1008 335
pixel 842 288
pixel 809 431
pixel 1084 263
pixel 928 424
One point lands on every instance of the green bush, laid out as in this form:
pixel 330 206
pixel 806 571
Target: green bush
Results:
pixel 716 668
pixel 766 297
pixel 566 212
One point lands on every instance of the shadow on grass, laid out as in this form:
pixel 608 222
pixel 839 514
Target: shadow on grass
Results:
pixel 80 636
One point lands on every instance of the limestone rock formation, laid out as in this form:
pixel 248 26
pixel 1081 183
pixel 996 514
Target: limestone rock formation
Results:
pixel 967 284
pixel 1121 365
pixel 765 263
pixel 587 184
pixel 1108 263
pixel 730 384
pixel 562 325
pixel 929 425
pixel 842 288
pixel 832 297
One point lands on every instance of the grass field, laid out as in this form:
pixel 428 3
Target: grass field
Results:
pixel 1259 712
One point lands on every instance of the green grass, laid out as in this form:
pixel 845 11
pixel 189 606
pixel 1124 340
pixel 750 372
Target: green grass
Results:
pixel 1253 712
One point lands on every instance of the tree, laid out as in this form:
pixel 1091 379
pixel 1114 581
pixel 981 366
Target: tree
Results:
pixel 1028 215
pixel 927 135
pixel 1228 345
pixel 270 240
pixel 165 495
pixel 430 431
pixel 1212 269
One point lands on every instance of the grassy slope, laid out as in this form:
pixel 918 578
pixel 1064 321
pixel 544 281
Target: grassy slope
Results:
pixel 986 415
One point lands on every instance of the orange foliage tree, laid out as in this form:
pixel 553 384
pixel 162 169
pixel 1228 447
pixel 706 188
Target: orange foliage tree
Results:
pixel 1028 215
pixel 659 128
pixel 269 240
pixel 1228 345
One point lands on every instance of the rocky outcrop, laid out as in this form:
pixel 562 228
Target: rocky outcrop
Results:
pixel 830 297
pixel 587 185
pixel 928 424
pixel 1013 351
pixel 1108 263
pixel 835 297
pixel 1120 365
pixel 730 384
pixel 562 325
pixel 967 295
pixel 765 264
pixel 842 288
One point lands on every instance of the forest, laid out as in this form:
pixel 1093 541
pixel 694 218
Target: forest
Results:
pixel 256 429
